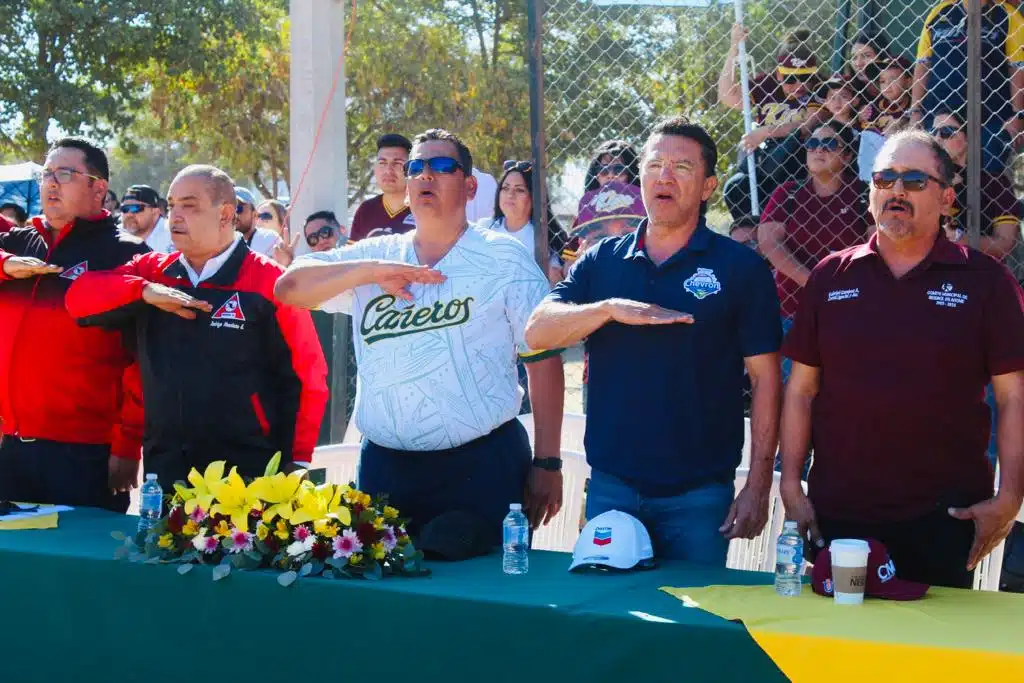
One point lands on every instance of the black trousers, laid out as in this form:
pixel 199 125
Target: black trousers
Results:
pixel 55 473
pixel 483 477
pixel 932 549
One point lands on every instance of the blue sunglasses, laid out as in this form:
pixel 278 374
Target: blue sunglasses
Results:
pixel 442 165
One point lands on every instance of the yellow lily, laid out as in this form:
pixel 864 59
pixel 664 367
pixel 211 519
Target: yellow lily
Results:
pixel 201 494
pixel 278 493
pixel 318 503
pixel 235 499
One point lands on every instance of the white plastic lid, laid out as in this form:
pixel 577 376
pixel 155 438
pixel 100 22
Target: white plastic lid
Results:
pixel 790 524
pixel 515 506
pixel 151 477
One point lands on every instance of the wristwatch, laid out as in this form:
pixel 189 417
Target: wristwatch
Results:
pixel 549 464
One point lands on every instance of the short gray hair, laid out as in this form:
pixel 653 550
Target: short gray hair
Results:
pixel 222 187
pixel 947 167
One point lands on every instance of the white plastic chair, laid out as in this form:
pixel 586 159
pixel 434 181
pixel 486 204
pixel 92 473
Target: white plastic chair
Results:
pixel 574 427
pixel 341 460
pixel 989 571
pixel 758 554
pixel 352 433
pixel 563 530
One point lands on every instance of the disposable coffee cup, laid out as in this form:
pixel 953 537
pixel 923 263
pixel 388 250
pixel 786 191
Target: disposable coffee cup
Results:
pixel 849 570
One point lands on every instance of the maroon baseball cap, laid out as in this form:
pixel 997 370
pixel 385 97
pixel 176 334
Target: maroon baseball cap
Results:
pixel 881 577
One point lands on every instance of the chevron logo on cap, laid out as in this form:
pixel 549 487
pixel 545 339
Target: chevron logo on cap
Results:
pixel 230 310
pixel 602 535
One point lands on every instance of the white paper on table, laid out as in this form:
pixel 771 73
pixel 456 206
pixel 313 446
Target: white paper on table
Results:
pixel 870 144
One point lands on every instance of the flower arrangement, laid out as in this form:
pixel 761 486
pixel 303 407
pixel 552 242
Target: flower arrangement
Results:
pixel 278 521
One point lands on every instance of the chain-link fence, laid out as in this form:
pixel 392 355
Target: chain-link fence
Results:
pixel 828 81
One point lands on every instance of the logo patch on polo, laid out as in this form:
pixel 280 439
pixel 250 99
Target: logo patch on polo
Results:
pixel 602 535
pixel 75 272
pixel 947 296
pixel 703 283
pixel 230 310
pixel 843 294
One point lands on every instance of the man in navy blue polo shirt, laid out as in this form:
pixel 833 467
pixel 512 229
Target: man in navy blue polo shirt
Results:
pixel 665 406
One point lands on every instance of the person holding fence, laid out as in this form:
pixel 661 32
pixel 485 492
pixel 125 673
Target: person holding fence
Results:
pixel 671 314
pixel 892 347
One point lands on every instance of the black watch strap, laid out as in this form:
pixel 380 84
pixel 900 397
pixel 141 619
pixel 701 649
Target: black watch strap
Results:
pixel 549 464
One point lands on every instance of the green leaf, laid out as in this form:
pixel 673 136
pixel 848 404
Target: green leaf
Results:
pixel 118 535
pixel 273 466
pixel 306 569
pixel 254 555
pixel 221 571
pixel 286 579
pixel 185 569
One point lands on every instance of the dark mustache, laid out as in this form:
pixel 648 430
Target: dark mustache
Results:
pixel 898 203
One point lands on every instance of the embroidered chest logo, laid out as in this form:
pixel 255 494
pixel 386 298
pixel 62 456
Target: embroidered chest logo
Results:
pixel 229 314
pixel 703 283
pixel 381 320
pixel 946 296
pixel 843 294
pixel 75 272
pixel 602 535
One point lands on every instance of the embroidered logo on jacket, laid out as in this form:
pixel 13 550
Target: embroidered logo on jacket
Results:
pixel 230 310
pixel 75 272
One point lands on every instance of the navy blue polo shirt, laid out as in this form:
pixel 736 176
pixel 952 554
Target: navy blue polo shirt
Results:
pixel 665 402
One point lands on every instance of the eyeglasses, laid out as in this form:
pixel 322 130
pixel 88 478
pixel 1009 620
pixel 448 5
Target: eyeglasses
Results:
pixel 134 208
pixel 63 176
pixel 265 216
pixel 521 166
pixel 442 165
pixel 324 233
pixel 945 132
pixel 824 144
pixel 913 181
pixel 612 169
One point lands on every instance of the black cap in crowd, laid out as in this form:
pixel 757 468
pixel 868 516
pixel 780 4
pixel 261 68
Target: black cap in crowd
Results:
pixel 142 193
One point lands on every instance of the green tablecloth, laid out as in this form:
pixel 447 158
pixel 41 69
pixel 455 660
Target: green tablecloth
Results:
pixel 73 614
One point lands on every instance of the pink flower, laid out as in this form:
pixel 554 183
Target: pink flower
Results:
pixel 197 515
pixel 242 540
pixel 205 544
pixel 390 540
pixel 347 545
pixel 302 533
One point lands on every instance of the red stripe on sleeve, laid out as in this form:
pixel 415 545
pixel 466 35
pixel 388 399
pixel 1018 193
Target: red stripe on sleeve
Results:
pixel 310 367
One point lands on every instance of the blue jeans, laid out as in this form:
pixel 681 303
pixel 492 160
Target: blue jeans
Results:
pixel 683 527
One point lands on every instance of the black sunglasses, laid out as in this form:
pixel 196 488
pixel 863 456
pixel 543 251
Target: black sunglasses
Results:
pixel 324 233
pixel 442 165
pixel 134 208
pixel 612 169
pixel 265 216
pixel 793 80
pixel 913 181
pixel 513 165
pixel 240 207
pixel 824 144
pixel 945 132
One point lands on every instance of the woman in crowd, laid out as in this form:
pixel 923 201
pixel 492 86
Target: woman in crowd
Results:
pixel 842 103
pixel 270 215
pixel 613 160
pixel 870 49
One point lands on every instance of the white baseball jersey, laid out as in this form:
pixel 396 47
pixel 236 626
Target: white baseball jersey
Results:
pixel 441 371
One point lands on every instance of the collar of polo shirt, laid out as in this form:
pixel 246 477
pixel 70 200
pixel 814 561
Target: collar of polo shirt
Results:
pixel 699 241
pixel 943 251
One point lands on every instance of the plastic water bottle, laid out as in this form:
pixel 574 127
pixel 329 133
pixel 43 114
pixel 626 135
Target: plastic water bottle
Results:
pixel 151 498
pixel 516 535
pixel 789 561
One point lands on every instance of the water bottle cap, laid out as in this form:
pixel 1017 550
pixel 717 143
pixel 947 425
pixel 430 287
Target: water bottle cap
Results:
pixel 789 524
pixel 151 477
pixel 515 506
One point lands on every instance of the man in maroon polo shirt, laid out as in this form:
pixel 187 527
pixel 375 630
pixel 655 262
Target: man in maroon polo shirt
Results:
pixel 893 345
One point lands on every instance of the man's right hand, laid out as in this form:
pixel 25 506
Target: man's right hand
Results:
pixel 174 301
pixel 629 312
pixel 21 267
pixel 800 510
pixel 395 278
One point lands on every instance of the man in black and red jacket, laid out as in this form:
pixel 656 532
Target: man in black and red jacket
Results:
pixel 228 371
pixel 70 401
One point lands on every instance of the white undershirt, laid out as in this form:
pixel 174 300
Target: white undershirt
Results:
pixel 213 265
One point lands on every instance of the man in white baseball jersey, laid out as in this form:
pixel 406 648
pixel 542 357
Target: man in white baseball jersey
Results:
pixel 438 316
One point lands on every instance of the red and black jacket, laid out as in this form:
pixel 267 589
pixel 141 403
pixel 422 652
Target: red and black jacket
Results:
pixel 237 384
pixel 59 381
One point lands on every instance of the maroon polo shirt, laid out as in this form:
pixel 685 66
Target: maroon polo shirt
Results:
pixel 815 226
pixel 900 424
pixel 373 217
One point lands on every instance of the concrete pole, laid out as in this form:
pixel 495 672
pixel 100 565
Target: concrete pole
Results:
pixel 318 40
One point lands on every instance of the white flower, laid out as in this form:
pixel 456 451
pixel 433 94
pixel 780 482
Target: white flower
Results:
pixel 299 547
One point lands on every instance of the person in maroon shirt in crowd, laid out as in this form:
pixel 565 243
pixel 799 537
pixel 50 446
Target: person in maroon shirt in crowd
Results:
pixel 13 215
pixel 892 347
pixel 387 213
pixel 70 398
pixel 1000 209
pixel 807 220
pixel 892 107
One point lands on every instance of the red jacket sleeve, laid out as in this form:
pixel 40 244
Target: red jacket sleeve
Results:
pixel 310 367
pixel 126 438
pixel 96 296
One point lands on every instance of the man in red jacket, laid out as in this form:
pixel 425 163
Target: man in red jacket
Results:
pixel 228 371
pixel 70 401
